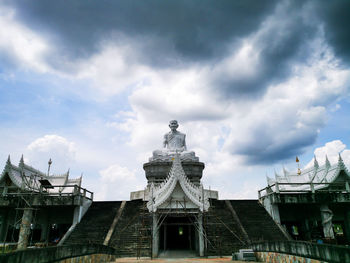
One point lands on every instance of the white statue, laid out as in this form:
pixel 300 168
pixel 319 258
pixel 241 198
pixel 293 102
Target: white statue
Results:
pixel 174 141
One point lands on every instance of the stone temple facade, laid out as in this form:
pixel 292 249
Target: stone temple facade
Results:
pixel 312 204
pixel 174 190
pixel 173 212
pixel 37 207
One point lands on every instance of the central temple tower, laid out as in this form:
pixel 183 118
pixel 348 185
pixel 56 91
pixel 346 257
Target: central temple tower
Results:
pixel 175 195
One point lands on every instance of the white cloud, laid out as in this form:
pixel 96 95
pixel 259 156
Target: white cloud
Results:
pixel 223 132
pixel 23 44
pixel 332 150
pixel 116 183
pixel 59 149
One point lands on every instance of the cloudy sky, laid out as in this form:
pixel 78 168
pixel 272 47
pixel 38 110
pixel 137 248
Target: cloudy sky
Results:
pixel 93 85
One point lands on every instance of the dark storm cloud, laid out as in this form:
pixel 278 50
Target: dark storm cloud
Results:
pixel 196 30
pixel 174 33
pixel 181 33
pixel 335 17
pixel 261 153
pixel 282 42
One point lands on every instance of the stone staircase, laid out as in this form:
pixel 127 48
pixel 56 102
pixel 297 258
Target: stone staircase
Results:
pixel 256 221
pixel 229 226
pixel 132 237
pixel 95 224
pixel 223 233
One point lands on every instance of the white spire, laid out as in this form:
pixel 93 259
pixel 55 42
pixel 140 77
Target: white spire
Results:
pixel 316 163
pixel 327 163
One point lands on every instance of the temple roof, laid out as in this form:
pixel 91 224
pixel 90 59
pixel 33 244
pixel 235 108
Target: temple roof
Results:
pixel 320 176
pixel 161 193
pixel 28 178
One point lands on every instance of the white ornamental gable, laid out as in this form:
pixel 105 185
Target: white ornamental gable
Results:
pixel 161 193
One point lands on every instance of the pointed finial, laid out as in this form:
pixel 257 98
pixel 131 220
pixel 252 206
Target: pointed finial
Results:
pixel 340 158
pixel 285 171
pixel 340 161
pixel 328 164
pixel 269 180
pixel 316 162
pixel 297 161
pixel 8 160
pixel 48 169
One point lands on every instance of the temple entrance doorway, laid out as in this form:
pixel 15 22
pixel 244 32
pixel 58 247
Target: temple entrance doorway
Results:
pixel 178 233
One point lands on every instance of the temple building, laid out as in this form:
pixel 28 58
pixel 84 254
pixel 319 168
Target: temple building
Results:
pixel 312 204
pixel 174 212
pixel 36 207
pixel 176 198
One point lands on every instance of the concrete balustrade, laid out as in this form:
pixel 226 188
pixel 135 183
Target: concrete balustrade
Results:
pixel 67 254
pixel 272 251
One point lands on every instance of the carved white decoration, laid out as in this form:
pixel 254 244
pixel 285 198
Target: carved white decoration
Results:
pixel 327 216
pixel 161 193
pixel 27 178
pixel 318 175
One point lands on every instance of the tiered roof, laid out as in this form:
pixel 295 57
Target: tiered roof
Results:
pixel 161 193
pixel 28 178
pixel 316 177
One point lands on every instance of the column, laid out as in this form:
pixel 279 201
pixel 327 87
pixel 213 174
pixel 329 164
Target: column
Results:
pixel 77 215
pixel 189 236
pixel 165 235
pixel 155 236
pixel 25 228
pixel 307 229
pixel 276 213
pixel 200 235
pixel 44 227
pixel 4 226
pixel 347 225
pixel 326 216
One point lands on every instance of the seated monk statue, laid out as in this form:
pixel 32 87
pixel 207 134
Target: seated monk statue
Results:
pixel 174 141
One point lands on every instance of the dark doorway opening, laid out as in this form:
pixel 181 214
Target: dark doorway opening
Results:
pixel 178 233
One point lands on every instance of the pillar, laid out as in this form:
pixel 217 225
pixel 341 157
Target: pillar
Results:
pixel 4 226
pixel 77 215
pixel 189 236
pixel 24 230
pixel 165 236
pixel 347 225
pixel 275 213
pixel 272 209
pixel 306 229
pixel 44 232
pixel 200 235
pixel 44 236
pixel 326 216
pixel 155 236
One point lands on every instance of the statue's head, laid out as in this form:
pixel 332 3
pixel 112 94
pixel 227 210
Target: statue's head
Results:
pixel 173 125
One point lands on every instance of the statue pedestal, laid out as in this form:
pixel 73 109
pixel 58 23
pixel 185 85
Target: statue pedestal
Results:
pixel 156 172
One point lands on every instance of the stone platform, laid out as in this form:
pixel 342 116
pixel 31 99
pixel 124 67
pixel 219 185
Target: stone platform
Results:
pixel 156 172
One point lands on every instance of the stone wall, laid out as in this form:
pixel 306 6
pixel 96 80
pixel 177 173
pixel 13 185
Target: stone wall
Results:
pixel 96 258
pixel 288 250
pixel 272 257
pixel 69 254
